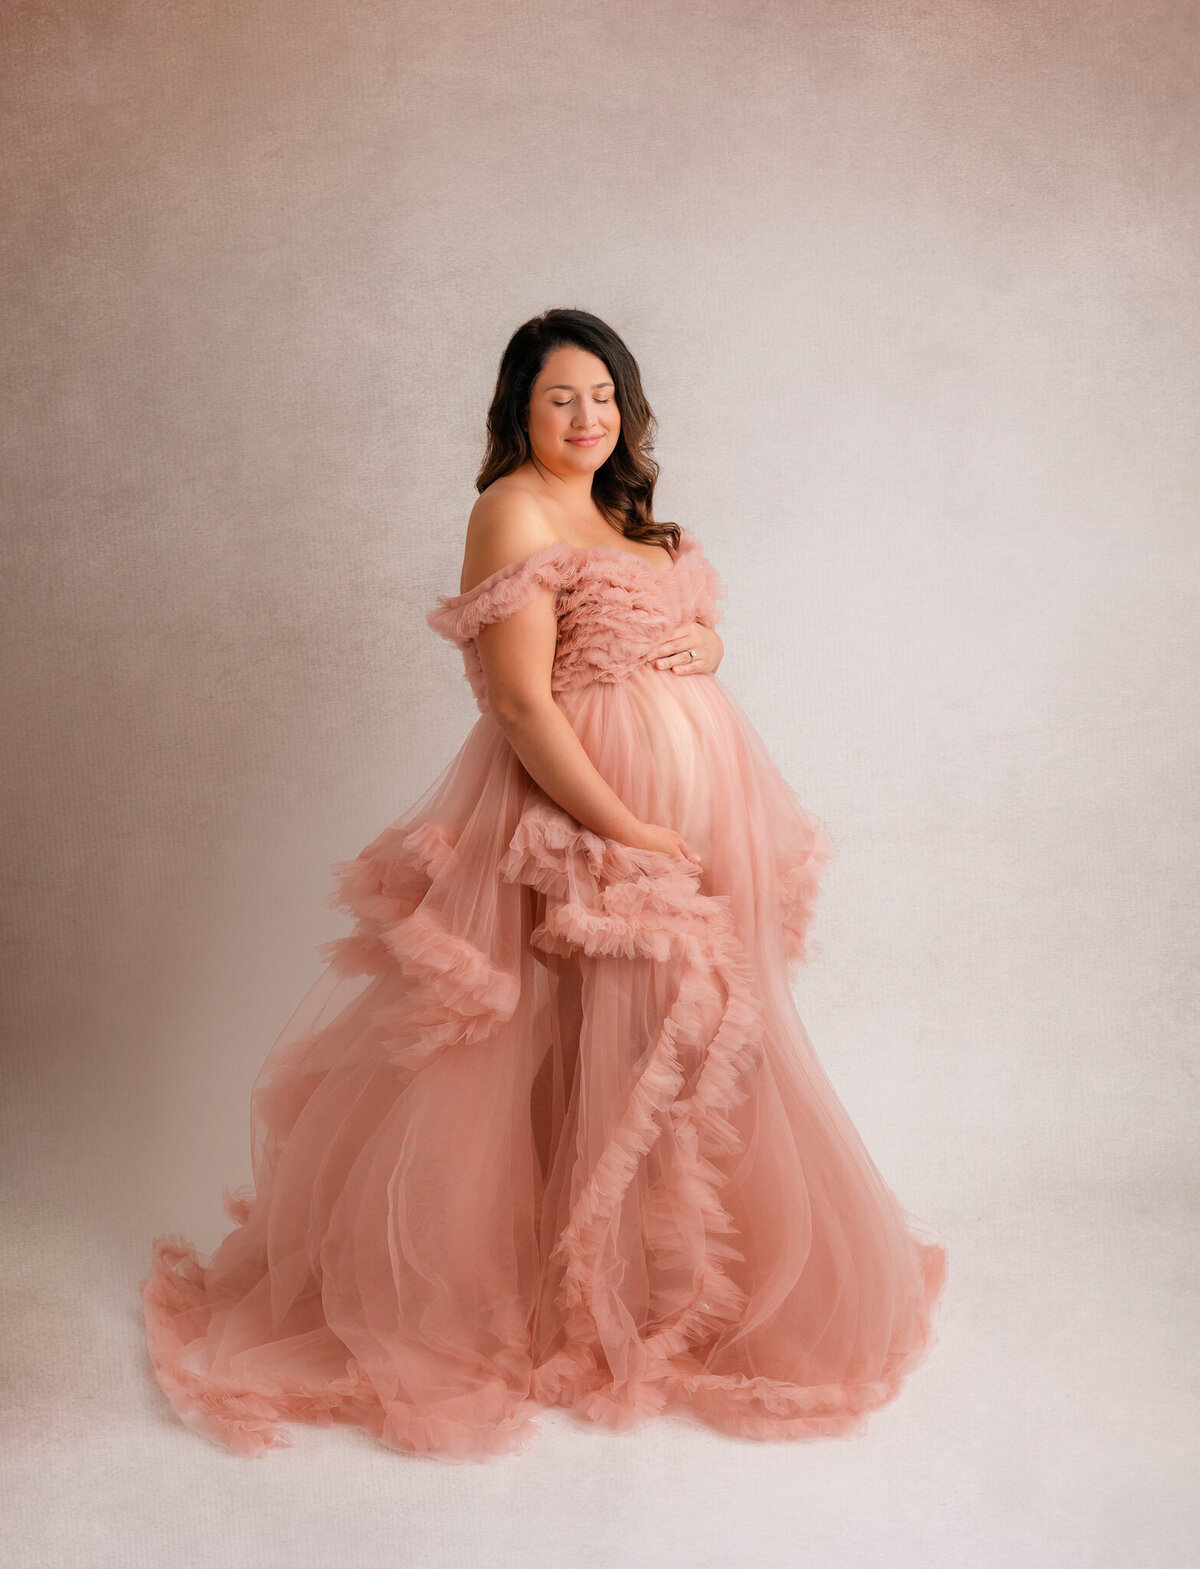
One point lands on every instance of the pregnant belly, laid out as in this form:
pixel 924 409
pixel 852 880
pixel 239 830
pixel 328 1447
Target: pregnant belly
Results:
pixel 680 751
pixel 665 744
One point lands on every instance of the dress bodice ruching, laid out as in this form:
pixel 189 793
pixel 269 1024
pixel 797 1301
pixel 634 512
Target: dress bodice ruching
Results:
pixel 614 608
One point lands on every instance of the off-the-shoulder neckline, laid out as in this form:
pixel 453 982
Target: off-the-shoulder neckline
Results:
pixel 547 552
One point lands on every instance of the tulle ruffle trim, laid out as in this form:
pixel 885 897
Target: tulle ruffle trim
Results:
pixel 801 870
pixel 493 1420
pixel 601 898
pixel 458 617
pixel 456 992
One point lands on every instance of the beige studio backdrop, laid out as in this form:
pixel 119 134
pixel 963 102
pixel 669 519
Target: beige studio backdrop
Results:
pixel 913 289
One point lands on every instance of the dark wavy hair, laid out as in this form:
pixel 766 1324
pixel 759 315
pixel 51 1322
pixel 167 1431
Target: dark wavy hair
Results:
pixel 623 485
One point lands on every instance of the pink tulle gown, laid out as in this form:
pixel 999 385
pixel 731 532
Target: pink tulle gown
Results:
pixel 548 1130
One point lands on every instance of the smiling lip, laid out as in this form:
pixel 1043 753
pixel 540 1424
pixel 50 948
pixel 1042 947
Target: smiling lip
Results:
pixel 584 441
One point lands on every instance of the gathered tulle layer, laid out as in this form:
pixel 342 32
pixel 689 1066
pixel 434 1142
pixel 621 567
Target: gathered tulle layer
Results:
pixel 549 1131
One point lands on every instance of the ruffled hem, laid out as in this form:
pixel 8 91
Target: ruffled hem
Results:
pixel 496 1420
pixel 599 898
pixel 381 887
pixel 457 993
pixel 249 1419
pixel 246 1420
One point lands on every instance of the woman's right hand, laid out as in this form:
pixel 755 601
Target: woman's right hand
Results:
pixel 653 836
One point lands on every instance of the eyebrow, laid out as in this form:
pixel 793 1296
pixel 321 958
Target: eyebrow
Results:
pixel 561 386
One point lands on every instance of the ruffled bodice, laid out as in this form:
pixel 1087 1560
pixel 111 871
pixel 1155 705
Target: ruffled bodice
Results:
pixel 614 608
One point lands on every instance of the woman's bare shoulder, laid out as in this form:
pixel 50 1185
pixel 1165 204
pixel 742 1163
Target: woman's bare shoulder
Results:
pixel 506 524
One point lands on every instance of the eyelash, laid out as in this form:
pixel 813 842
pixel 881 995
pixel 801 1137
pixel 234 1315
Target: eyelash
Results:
pixel 567 402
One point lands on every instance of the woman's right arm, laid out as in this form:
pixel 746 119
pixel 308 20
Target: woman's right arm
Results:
pixel 517 656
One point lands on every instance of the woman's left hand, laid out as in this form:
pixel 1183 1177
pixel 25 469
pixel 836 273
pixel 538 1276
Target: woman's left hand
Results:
pixel 673 650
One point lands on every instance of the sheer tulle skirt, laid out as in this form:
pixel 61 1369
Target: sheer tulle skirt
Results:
pixel 549 1130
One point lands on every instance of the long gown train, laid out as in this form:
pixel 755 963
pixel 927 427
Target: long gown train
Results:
pixel 548 1130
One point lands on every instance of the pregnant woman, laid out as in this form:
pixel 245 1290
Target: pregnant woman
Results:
pixel 548 1130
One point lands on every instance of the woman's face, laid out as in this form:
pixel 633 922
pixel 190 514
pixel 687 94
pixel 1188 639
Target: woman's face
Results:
pixel 573 417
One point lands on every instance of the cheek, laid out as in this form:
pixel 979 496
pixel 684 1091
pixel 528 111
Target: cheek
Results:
pixel 544 424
